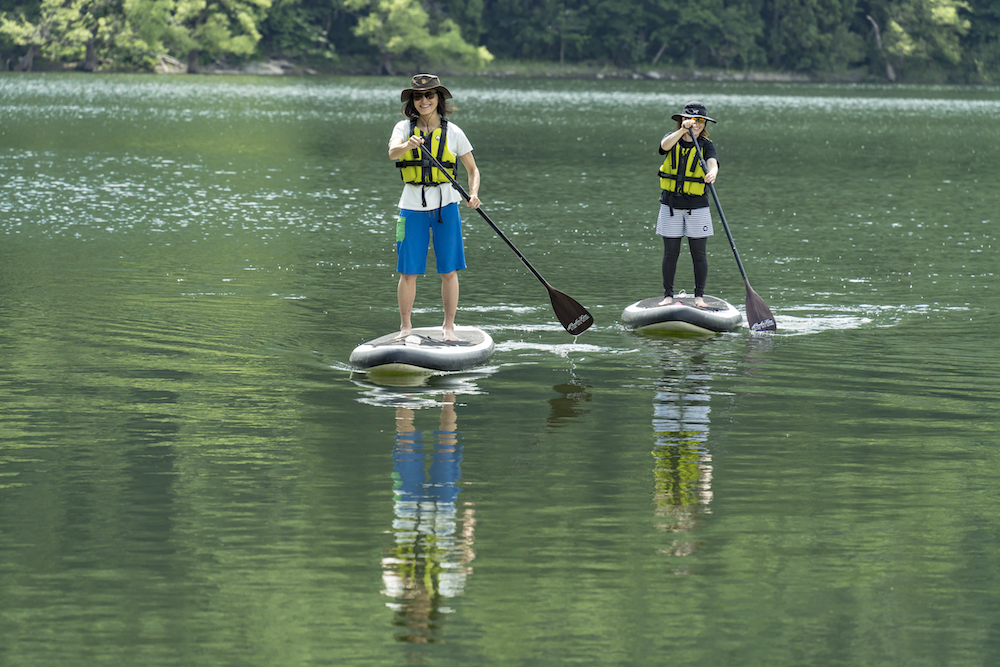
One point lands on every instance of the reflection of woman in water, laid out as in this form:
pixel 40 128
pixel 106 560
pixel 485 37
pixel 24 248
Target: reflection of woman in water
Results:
pixel 683 468
pixel 429 562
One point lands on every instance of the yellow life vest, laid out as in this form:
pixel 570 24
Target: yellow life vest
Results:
pixel 681 173
pixel 413 168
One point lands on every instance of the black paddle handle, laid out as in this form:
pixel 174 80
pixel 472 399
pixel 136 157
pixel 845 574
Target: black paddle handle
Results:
pixel 480 211
pixel 718 206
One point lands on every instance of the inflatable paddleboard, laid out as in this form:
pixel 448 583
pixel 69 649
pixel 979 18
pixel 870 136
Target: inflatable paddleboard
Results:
pixel 424 351
pixel 682 315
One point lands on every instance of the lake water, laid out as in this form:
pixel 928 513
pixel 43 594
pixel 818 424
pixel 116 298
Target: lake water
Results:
pixel 191 474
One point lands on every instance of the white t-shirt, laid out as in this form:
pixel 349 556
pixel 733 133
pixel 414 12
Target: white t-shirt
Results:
pixel 443 194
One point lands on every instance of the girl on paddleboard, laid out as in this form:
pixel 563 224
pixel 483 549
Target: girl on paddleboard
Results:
pixel 428 207
pixel 684 208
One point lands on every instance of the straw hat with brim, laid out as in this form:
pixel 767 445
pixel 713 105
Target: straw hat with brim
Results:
pixel 422 83
pixel 693 110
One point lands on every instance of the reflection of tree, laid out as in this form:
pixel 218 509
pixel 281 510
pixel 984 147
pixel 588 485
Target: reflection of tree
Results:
pixel 429 562
pixel 683 466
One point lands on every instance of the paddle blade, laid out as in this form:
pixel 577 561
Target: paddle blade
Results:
pixel 759 316
pixel 574 317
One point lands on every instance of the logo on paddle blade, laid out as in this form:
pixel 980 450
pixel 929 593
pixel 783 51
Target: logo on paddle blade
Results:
pixel 764 325
pixel 578 322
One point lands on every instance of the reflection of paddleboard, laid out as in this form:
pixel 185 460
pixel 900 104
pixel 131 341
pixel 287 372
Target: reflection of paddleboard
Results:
pixel 424 351
pixel 682 315
pixel 421 390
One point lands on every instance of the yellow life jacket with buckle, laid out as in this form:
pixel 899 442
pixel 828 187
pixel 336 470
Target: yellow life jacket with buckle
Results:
pixel 413 168
pixel 681 173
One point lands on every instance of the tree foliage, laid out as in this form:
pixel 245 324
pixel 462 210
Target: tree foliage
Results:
pixel 941 40
pixel 402 28
pixel 61 30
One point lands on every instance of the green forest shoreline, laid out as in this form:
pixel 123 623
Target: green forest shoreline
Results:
pixel 498 70
pixel 860 41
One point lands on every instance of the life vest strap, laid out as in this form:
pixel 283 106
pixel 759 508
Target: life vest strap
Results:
pixel 422 163
pixel 693 179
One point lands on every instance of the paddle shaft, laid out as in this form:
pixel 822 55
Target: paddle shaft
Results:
pixel 718 206
pixel 573 316
pixel 758 314
pixel 427 154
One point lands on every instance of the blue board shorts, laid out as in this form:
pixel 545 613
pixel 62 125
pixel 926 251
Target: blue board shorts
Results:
pixel 443 226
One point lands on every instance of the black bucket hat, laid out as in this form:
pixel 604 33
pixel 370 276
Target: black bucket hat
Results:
pixel 424 82
pixel 693 110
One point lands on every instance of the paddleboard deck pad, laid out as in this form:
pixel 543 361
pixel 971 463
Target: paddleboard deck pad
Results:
pixel 682 315
pixel 424 351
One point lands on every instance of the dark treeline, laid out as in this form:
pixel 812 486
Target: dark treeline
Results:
pixel 896 40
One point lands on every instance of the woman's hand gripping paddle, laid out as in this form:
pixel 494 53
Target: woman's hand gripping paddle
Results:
pixel 574 317
pixel 759 316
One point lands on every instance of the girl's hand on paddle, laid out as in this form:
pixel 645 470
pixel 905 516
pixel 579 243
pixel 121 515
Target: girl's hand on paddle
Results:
pixel 711 170
pixel 413 142
pixel 473 201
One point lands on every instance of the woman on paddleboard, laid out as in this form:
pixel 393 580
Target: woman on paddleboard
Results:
pixel 428 207
pixel 684 207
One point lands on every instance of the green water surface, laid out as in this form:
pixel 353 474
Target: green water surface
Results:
pixel 191 473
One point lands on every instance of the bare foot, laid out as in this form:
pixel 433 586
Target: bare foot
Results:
pixel 700 302
pixel 403 333
pixel 448 334
pixel 667 300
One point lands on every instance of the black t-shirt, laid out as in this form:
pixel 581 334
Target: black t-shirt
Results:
pixel 689 201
